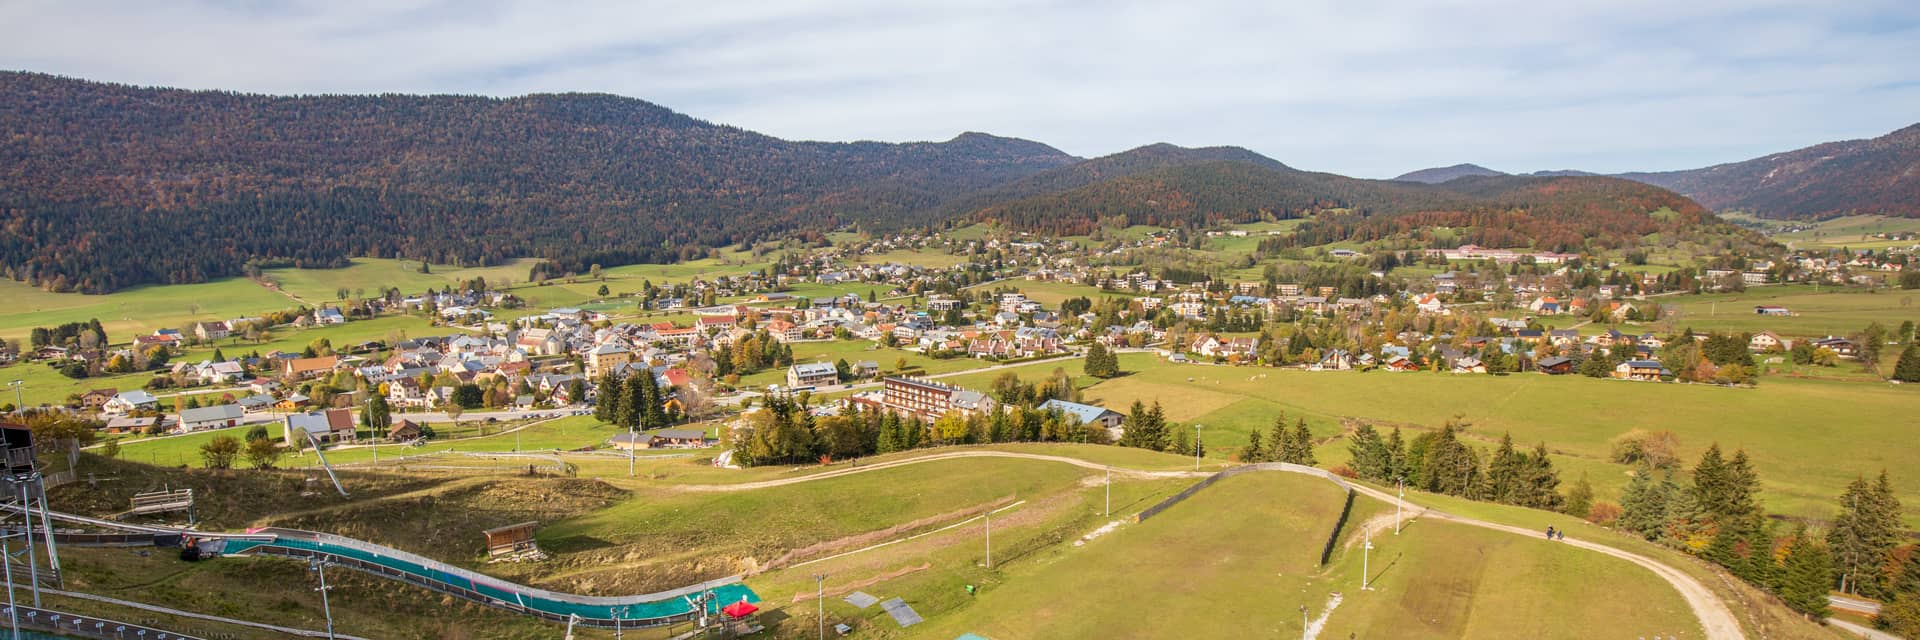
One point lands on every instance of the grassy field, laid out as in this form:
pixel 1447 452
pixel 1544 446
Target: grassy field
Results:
pixel 1807 438
pixel 373 275
pixel 1215 566
pixel 136 311
pixel 563 434
pixel 1851 232
pixel 853 351
pixel 1823 312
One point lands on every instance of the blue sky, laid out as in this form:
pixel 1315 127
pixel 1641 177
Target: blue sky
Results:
pixel 1358 87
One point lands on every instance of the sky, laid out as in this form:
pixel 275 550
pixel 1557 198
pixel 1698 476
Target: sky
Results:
pixel 1358 87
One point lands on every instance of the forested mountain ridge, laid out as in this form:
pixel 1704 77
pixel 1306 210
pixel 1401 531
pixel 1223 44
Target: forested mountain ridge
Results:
pixel 104 186
pixel 92 174
pixel 1557 213
pixel 1877 175
pixel 1437 175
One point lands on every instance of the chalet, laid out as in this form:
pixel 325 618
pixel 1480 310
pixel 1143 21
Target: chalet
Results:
pixel 1335 359
pixel 1840 346
pixel 1643 370
pixel 404 431
pixel 1088 414
pixel 214 417
pixel 329 316
pixel 129 424
pixel 332 425
pixel 94 398
pixel 1401 363
pixel 128 402
pixel 211 331
pixel 1469 364
pixel 308 368
pixel 1554 366
pixel 293 402
pixel 256 403
pixel 663 439
pixel 1767 341
pixel 784 331
pixel 812 375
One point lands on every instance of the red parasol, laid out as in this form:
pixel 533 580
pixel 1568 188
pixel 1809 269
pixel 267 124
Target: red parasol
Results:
pixel 740 609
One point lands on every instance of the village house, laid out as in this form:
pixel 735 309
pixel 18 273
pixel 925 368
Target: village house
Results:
pixel 214 417
pixel 128 402
pixel 332 425
pixel 816 374
pixel 308 368
pixel 1642 370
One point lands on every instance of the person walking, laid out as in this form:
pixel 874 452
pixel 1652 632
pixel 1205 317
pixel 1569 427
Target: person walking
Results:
pixel 1549 532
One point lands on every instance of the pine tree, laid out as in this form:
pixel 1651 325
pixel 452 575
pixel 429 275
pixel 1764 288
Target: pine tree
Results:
pixel 1710 483
pixel 1542 481
pixel 606 407
pixel 1644 504
pixel 1742 484
pixel 1252 452
pixel 1302 444
pixel 1370 456
pixel 1278 440
pixel 1806 575
pixel 1505 473
pixel 1864 535
pixel 1397 463
pixel 1908 368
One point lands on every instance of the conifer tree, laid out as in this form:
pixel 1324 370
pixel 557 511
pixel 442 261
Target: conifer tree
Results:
pixel 1505 473
pixel 1542 481
pixel 1302 444
pixel 1908 368
pixel 1252 452
pixel 1279 442
pixel 1371 459
pixel 1805 576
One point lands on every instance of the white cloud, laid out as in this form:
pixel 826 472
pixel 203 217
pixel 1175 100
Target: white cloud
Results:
pixel 1366 88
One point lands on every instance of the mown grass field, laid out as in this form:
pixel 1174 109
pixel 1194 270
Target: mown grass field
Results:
pixel 563 434
pixel 374 275
pixel 1817 312
pixel 1807 438
pixel 1851 232
pixel 134 311
pixel 853 351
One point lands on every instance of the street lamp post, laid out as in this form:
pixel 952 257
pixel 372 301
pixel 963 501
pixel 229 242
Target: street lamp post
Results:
pixel 989 538
pixel 1109 491
pixel 1397 499
pixel 820 599
pixel 1366 555
pixel 19 405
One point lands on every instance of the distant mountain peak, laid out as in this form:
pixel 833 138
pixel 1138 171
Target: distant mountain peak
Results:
pixel 1437 175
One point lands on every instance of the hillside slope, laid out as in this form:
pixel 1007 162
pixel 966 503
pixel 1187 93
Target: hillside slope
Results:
pixel 91 173
pixel 1437 175
pixel 1878 175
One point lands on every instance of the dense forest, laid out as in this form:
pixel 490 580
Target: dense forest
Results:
pixel 1878 175
pixel 104 186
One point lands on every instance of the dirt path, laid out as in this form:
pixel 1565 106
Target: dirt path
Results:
pixel 765 484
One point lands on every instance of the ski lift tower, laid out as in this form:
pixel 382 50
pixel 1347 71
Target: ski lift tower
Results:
pixel 24 492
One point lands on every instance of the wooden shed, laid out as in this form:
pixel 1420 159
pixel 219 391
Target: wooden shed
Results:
pixel 510 539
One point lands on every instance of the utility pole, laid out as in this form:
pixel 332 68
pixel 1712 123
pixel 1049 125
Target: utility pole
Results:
pixel 633 440
pixel 326 607
pixel 19 406
pixel 1303 621
pixel 819 598
pixel 989 538
pixel 1109 491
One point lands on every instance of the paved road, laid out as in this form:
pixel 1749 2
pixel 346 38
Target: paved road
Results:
pixel 1716 619
pixel 1861 631
pixel 1857 605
